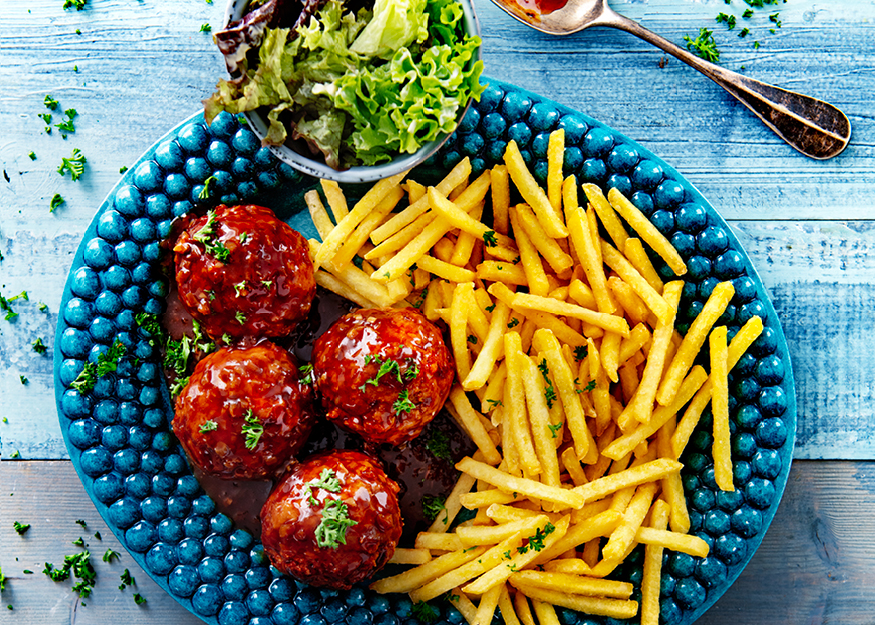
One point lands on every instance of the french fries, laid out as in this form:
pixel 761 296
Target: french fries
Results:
pixel 586 395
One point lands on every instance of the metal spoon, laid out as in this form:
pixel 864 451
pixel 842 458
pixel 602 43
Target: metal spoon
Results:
pixel 815 128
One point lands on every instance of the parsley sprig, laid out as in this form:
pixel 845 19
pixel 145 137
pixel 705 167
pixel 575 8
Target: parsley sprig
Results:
pixel 107 362
pixel 549 391
pixel 75 165
pixel 209 237
pixel 432 505
pixel 327 481
pixel 704 45
pixel 252 429
pixel 335 522
pixel 536 541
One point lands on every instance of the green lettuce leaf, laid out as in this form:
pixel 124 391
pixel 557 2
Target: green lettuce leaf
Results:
pixel 396 24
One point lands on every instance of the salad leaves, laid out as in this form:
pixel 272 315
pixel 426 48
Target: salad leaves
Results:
pixel 360 88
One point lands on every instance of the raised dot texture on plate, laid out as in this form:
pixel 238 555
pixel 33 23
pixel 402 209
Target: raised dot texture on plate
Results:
pixel 119 436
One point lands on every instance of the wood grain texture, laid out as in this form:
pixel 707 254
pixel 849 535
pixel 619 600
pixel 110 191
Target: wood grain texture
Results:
pixel 143 67
pixel 814 565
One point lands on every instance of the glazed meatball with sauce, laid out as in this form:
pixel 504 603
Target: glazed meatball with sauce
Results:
pixel 383 374
pixel 333 520
pixel 241 272
pixel 244 413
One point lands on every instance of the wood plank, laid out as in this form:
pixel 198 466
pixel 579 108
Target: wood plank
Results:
pixel 49 496
pixel 814 565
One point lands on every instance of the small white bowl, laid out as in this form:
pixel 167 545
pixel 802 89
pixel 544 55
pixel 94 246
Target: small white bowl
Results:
pixel 236 9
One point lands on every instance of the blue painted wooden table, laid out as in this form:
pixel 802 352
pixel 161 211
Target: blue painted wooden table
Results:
pixel 133 69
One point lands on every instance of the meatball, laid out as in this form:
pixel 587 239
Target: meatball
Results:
pixel 241 271
pixel 333 520
pixel 383 374
pixel 244 413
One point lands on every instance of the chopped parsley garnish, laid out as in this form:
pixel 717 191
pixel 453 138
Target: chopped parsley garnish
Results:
pixel 536 542
pixel 22 379
pixel 327 480
pixel 206 28
pixel 472 339
pixel 79 542
pixel 208 426
pixel 589 387
pixel 15 455
pixel 729 20
pixel 107 362
pixel 490 308
pixel 43 307
pixel 31 156
pixel 209 237
pixel 744 32
pixel 38 346
pixel 748 13
pixel 139 599
pixel 240 316
pixel 111 555
pixel 389 366
pixel 495 403
pixel 331 530
pixel 56 201
pixel 581 352
pixel 86 379
pixel 78 4
pixel 81 523
pixel 774 19
pixel 513 323
pixel 267 284
pixel 127 580
pixel 201 341
pixel 704 45
pixel 2 580
pixel 252 429
pixel 79 565
pixel 177 354
pixel 438 444
pixel 424 612
pixel 554 429
pixel 227 338
pixel 307 372
pixel 151 325
pixel 51 103
pixel 403 404
pixel 549 391
pixel 75 165
pixel 432 506
pixel 122 169
pixel 205 192
pixel 489 238
pixel 240 287
pixel 20 528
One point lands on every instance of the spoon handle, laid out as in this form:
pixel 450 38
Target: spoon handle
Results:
pixel 815 128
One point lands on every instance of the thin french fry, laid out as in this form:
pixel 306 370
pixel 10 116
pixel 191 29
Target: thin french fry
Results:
pixel 515 405
pixel 611 323
pixel 685 543
pixel 616 261
pixel 505 604
pixel 335 198
pixel 474 426
pixel 555 156
pixel 647 231
pixel 410 556
pixel 488 603
pixel 651 579
pixel 558 259
pixel 575 584
pixel 607 215
pixel 453 179
pixel 539 421
pixel 647 472
pixel 416 577
pixel 493 348
pixel 536 277
pixel 693 341
pixel 615 608
pixel 347 225
pixel 532 193
pixel 500 198
pixel 578 227
pixel 452 506
pixel 530 488
pixel 638 257
pixel 720 409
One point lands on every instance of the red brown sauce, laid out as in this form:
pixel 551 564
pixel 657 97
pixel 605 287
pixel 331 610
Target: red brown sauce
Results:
pixel 412 465
pixel 537 8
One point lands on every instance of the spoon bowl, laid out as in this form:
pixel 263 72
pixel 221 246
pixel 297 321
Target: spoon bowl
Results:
pixel 814 127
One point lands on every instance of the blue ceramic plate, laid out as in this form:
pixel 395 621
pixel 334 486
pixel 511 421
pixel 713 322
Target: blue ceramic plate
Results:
pixel 119 436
